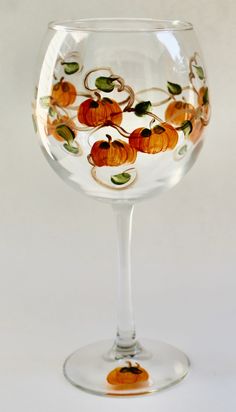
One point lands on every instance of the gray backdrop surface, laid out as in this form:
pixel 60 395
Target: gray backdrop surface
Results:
pixel 58 248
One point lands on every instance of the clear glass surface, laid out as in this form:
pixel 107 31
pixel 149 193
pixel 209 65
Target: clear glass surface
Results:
pixel 121 107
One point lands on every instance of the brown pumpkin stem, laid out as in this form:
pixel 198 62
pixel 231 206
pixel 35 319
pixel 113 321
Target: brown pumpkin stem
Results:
pixel 152 121
pixel 130 366
pixel 98 97
pixel 109 138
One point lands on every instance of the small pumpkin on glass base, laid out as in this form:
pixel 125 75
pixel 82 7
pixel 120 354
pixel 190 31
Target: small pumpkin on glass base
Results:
pixel 128 377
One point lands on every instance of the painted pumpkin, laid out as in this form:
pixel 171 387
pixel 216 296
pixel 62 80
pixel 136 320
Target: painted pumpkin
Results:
pixel 203 101
pixel 155 140
pixel 203 96
pixel 202 115
pixel 197 130
pixel 127 375
pixel 94 113
pixel 63 120
pixel 112 153
pixel 63 93
pixel 178 111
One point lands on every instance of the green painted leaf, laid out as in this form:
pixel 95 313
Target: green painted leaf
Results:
pixel 71 149
pixel 45 101
pixel 174 88
pixel 105 84
pixel 121 178
pixel 52 112
pixel 142 108
pixel 205 98
pixel 182 151
pixel 66 133
pixel 186 127
pixel 200 72
pixel 70 67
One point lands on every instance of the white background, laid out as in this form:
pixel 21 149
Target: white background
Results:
pixel 57 247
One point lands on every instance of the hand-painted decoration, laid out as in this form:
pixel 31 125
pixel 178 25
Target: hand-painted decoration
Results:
pixel 65 119
pixel 128 376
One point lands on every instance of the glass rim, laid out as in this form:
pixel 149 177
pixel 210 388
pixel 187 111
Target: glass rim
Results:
pixel 120 25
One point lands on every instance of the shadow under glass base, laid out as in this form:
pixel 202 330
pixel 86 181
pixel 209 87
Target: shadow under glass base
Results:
pixel 150 367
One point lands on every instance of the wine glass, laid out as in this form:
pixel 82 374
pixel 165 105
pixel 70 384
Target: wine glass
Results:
pixel 120 107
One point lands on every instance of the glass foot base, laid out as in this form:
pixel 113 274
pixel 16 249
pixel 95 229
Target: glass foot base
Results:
pixel 103 369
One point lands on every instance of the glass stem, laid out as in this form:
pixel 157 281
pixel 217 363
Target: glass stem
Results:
pixel 125 338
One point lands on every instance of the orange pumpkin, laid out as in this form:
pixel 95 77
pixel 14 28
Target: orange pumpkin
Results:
pixel 202 115
pixel 127 375
pixel 178 111
pixel 196 131
pixel 112 153
pixel 203 101
pixel 63 120
pixel 203 96
pixel 155 140
pixel 94 113
pixel 63 93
